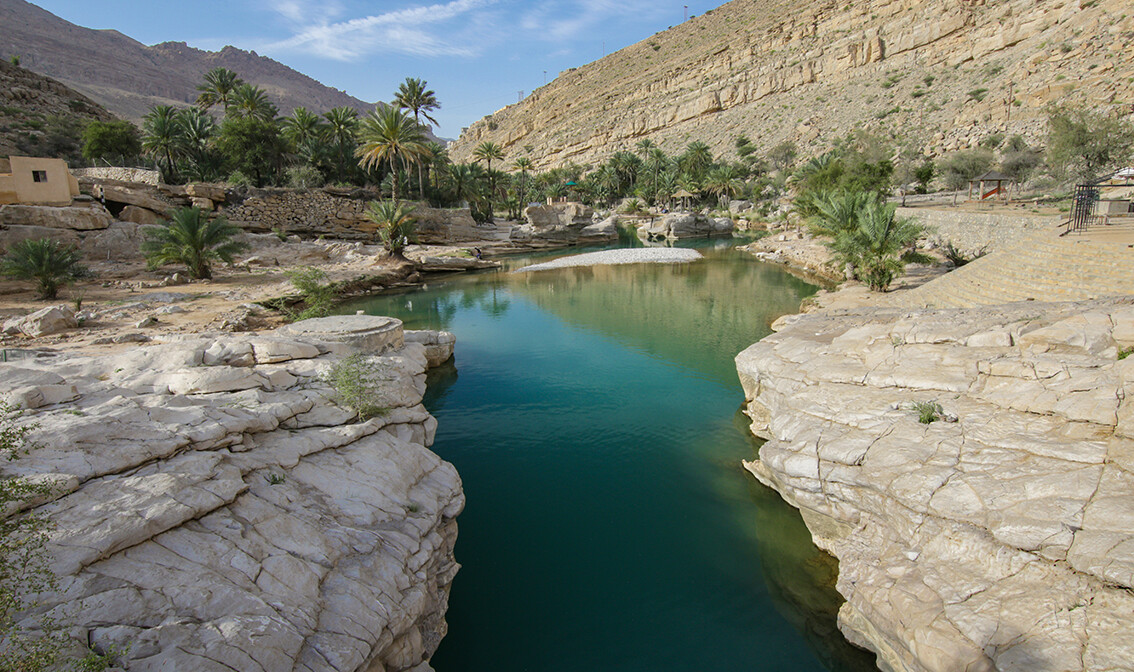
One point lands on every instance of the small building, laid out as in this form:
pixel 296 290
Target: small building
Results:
pixel 26 180
pixel 991 184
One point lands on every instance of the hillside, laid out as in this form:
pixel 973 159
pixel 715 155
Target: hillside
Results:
pixel 28 100
pixel 127 77
pixel 941 74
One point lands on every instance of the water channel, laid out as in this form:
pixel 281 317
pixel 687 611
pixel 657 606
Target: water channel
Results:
pixel 593 414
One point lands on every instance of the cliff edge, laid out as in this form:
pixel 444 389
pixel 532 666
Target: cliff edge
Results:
pixel 998 536
pixel 219 507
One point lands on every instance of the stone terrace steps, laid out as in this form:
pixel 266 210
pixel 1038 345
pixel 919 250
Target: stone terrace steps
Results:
pixel 1041 267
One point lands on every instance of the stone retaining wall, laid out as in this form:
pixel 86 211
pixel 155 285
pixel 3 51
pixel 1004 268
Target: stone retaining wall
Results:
pixel 138 175
pixel 971 231
pixel 317 212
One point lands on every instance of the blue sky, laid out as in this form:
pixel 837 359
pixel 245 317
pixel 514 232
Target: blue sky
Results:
pixel 476 54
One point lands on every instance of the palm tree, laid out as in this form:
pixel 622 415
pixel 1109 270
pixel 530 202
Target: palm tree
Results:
pixel 197 129
pixel 190 238
pixel 724 182
pixel 657 162
pixel 487 152
pixel 696 160
pixel 523 164
pixel 395 225
pixel 644 147
pixel 218 89
pixel 303 126
pixel 162 137
pixel 252 101
pixel 463 181
pixel 879 246
pixel 390 136
pixel 837 211
pixel 47 261
pixel 412 95
pixel 342 123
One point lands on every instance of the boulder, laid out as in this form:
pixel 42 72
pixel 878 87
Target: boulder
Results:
pixel 10 235
pixel 138 195
pixel 137 215
pixel 438 345
pixel 90 217
pixel 215 193
pixel 678 225
pixel 43 322
pixel 121 240
pixel 604 231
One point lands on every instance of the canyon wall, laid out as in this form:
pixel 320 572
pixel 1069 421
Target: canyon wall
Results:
pixel 998 536
pixel 941 75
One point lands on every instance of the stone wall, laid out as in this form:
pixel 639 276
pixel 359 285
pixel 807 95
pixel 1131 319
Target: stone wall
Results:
pixel 972 231
pixel 340 215
pixel 138 175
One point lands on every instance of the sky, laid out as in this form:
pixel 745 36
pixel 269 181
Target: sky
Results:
pixel 477 55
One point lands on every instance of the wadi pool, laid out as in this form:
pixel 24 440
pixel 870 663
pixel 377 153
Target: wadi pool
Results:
pixel 593 414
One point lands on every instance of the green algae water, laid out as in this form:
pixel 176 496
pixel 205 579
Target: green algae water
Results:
pixel 593 414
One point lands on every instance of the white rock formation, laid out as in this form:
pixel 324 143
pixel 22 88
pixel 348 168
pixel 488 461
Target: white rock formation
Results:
pixel 217 510
pixel 1002 536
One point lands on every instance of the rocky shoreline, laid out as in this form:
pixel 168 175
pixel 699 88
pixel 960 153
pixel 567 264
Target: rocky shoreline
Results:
pixel 999 536
pixel 219 505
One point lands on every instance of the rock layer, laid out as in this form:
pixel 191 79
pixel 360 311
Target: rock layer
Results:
pixel 1000 536
pixel 944 74
pixel 219 508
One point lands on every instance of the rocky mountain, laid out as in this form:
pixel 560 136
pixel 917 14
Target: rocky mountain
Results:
pixel 940 74
pixel 128 77
pixel 27 100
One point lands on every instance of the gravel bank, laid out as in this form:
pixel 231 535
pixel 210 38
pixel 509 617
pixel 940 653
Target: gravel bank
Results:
pixel 637 255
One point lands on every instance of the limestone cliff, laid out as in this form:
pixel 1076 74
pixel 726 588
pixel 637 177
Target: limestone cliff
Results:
pixel 944 72
pixel 1001 535
pixel 217 509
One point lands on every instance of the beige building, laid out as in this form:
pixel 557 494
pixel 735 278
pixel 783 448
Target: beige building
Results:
pixel 34 181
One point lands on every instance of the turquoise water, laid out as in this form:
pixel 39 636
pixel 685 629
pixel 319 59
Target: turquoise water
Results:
pixel 594 417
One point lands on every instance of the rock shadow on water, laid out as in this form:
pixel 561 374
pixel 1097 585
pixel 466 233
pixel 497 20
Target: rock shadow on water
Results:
pixel 801 577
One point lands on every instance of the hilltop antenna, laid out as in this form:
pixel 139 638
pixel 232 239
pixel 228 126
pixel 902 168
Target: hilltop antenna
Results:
pixel 686 13
pixel 519 96
pixel 545 77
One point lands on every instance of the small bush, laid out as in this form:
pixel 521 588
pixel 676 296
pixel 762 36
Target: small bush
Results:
pixel 353 388
pixel 318 295
pixel 46 261
pixel 927 411
pixel 978 94
pixel 304 177
pixel 276 479
pixel 1124 353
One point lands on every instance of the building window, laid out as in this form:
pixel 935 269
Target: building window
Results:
pixel 39 175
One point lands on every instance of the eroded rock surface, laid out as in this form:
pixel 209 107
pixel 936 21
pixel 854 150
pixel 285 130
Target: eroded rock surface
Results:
pixel 218 508
pixel 1000 536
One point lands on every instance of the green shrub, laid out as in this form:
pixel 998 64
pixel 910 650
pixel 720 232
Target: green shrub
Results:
pixel 46 261
pixel 24 572
pixel 304 177
pixel 978 94
pixel 927 411
pixel 354 390
pixel 191 238
pixel 318 296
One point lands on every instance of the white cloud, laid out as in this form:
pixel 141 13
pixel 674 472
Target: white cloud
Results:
pixel 565 21
pixel 412 30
